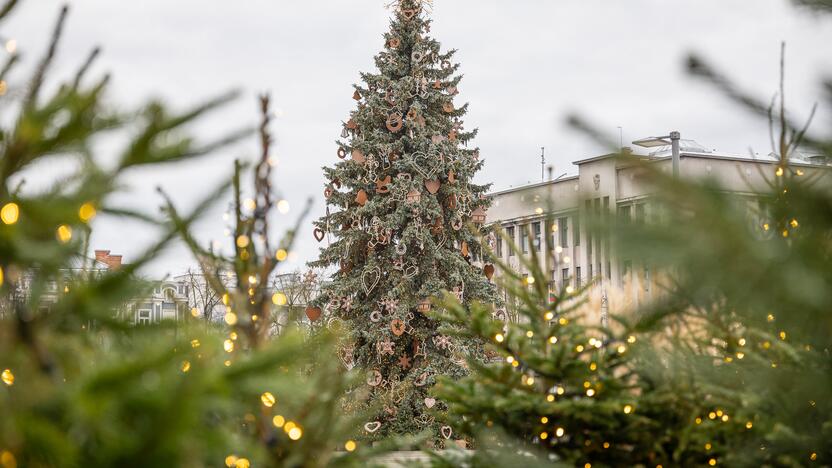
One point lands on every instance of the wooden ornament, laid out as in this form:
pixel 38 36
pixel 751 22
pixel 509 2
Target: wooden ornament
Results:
pixel 433 186
pixel 313 313
pixel 411 114
pixel 437 139
pixel 452 90
pixel 394 43
pixel 397 327
pixel 421 380
pixel 488 269
pixel 390 97
pixel 409 13
pixel 446 432
pixel 346 266
pixel 448 107
pixel 404 362
pixel 342 153
pixel 478 216
pixel 373 426
pixel 328 191
pixel 424 306
pixel 414 196
pixel 446 65
pixel 383 185
pixel 437 84
pixel 464 249
pixel 358 156
pixel 451 177
pixel 452 136
pixel 394 123
pixel 356 95
pixel 361 197
pixel 351 124
pixel 336 183
pixel 374 378
pixel 452 201
pixel 370 279
pixel 430 402
pixel 319 234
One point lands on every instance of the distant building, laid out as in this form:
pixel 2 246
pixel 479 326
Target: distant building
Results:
pixel 607 186
pixel 166 300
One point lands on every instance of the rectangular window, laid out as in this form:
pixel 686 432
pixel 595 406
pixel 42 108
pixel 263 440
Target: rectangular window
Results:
pixel 609 270
pixel 588 212
pixel 576 230
pixel 624 214
pixel 640 213
pixel 564 277
pixel 578 281
pixel 499 247
pixel 589 276
pixel 143 317
pixel 524 239
pixel 551 228
pixel 511 240
pixel 536 232
pixel 563 229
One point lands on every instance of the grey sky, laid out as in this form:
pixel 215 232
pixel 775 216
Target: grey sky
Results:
pixel 527 63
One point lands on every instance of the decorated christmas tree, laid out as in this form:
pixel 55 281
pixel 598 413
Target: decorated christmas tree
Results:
pixel 400 206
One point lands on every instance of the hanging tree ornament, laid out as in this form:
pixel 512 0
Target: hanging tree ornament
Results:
pixel 397 327
pixel 448 107
pixel 394 42
pixel 356 95
pixel 342 152
pixel 383 185
pixel 358 156
pixel 394 122
pixel 370 279
pixel 433 186
pixel 404 362
pixel 385 347
pixel 361 197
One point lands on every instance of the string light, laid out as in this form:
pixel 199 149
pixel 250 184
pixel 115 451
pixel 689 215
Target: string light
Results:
pixel 2 276
pixel 782 335
pixel 243 241
pixel 559 432
pixel 579 348
pixel 749 425
pixel 544 420
pixel 231 318
pixel 295 433
pixel 64 233
pixel 779 172
pixel 278 421
pixel 10 213
pixel 281 255
pixel 544 435
pixel 563 321
pixel 560 390
pixel 813 456
pixel 8 377
pixel 529 334
pixel 631 339
pixel 628 409
pixel 249 204
pixel 194 312
pixel 708 446
pixel 279 299
pixel 230 461
pixel 228 346
pixel 510 359
pixel 593 366
pixel 711 415
pixel 499 338
pixel 553 339
pixel 549 316
pixel 793 223
pixel 350 446
pixel 242 463
pixel 606 445
pixel 87 212
pixel 698 420
pixel 186 366
pixel 233 335
pixel 195 343
pixel 7 459
pixel 268 399
pixel 227 363
pixel 770 317
pixel 550 398
pixel 283 208
pixel 621 349
pixel 530 280
pixel 741 342
pixel 712 462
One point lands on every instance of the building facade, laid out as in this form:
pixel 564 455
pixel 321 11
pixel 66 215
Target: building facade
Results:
pixel 607 186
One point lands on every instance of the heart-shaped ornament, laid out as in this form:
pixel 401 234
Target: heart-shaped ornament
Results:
pixel 314 313
pixel 319 234
pixel 488 269
pixel 373 426
pixel 433 186
pixel 361 197
pixel 425 164
pixel 358 156
pixel 429 402
pixel 446 431
pixel 370 278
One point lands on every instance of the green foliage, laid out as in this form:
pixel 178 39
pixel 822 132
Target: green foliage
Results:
pixel 81 386
pixel 397 241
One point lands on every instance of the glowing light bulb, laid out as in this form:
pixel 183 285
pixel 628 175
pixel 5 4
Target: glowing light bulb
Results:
pixel 64 233
pixel 8 377
pixel 228 346
pixel 283 207
pixel 281 255
pixel 350 446
pixel 268 399
pixel 628 409
pixel 87 212
pixel 278 421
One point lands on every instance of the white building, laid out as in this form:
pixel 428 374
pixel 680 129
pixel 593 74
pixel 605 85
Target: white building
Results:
pixel 605 186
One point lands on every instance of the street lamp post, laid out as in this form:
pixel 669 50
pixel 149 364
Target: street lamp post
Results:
pixel 673 138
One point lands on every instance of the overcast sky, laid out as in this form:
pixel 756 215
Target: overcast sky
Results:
pixel 527 63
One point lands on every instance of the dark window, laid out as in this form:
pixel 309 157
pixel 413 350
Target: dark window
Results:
pixel 590 271
pixel 551 227
pixel 524 239
pixel 576 230
pixel 511 240
pixel 577 277
pixel 536 231
pixel 565 277
pixel 624 214
pixel 640 213
pixel 609 272
pixel 499 247
pixel 563 229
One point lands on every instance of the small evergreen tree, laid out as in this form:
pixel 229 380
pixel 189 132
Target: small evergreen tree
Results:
pixel 401 197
